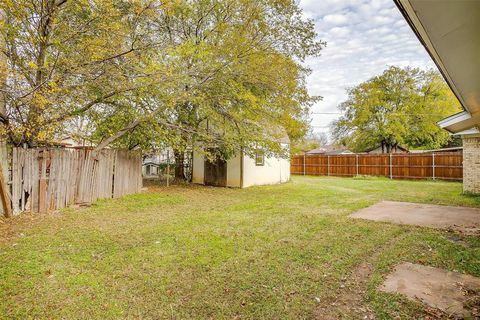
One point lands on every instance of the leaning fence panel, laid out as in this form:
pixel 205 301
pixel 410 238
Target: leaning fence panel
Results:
pixel 445 166
pixel 54 178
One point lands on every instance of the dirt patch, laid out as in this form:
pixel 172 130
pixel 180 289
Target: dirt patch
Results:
pixel 456 294
pixel 466 220
pixel 350 300
pixel 11 228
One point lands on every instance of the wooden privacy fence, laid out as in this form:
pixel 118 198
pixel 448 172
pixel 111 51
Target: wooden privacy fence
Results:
pixel 47 179
pixel 446 166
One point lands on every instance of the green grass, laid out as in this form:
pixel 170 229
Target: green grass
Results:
pixel 274 252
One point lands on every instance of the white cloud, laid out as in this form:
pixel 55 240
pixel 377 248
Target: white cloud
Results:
pixel 363 37
pixel 335 19
pixel 339 31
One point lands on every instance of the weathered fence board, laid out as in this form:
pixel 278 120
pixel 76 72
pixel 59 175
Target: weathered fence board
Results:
pixel 127 177
pixel 447 166
pixel 54 178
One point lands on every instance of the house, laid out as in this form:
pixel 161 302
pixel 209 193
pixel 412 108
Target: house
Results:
pixel 152 163
pixel 150 169
pixel 382 149
pixel 449 31
pixel 329 149
pixel 70 141
pixel 441 150
pixel 242 170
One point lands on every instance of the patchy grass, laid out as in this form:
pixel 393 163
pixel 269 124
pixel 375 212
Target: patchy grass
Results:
pixel 286 251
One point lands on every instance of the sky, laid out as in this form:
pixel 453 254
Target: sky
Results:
pixel 363 38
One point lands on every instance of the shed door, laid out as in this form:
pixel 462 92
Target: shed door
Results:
pixel 216 173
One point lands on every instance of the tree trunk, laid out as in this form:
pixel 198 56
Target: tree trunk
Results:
pixel 4 192
pixel 179 165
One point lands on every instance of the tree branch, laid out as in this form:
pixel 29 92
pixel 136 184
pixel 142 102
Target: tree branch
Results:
pixel 89 105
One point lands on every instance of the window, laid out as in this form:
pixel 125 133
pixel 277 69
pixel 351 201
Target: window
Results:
pixel 259 158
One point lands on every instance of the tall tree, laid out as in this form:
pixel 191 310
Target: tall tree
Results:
pixel 240 68
pixel 134 73
pixel 66 58
pixel 398 107
pixel 6 208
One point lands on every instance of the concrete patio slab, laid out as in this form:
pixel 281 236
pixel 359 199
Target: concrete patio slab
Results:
pixel 451 292
pixel 444 217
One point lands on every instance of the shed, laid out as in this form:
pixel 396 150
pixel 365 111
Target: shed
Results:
pixel 242 170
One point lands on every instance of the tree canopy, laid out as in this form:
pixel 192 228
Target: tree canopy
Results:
pixel 66 58
pixel 400 107
pixel 135 73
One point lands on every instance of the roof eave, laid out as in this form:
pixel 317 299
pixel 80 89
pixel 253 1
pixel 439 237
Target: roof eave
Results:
pixel 409 14
pixel 455 120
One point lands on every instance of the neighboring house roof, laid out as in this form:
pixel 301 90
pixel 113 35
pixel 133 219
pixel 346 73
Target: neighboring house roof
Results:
pixel 380 147
pixel 449 32
pixel 330 149
pixel 453 149
pixel 281 134
pixel 151 164
pixel 70 141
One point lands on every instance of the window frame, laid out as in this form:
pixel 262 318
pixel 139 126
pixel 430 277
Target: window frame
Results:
pixel 259 155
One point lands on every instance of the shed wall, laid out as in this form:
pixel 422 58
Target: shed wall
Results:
pixel 233 171
pixel 198 167
pixel 275 170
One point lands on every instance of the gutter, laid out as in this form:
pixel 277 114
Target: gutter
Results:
pixel 454 119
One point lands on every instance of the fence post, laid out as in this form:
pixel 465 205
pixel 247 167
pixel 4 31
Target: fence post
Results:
pixel 391 173
pixel 433 165
pixel 328 165
pixel 356 164
pixel 304 163
pixel 7 208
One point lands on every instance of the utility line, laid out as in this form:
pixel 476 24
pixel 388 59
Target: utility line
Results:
pixel 411 113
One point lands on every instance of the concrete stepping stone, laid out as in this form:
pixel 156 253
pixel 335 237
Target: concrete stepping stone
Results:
pixel 426 215
pixel 451 292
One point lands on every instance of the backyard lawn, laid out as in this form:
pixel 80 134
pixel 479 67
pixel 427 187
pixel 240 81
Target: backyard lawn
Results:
pixel 186 252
